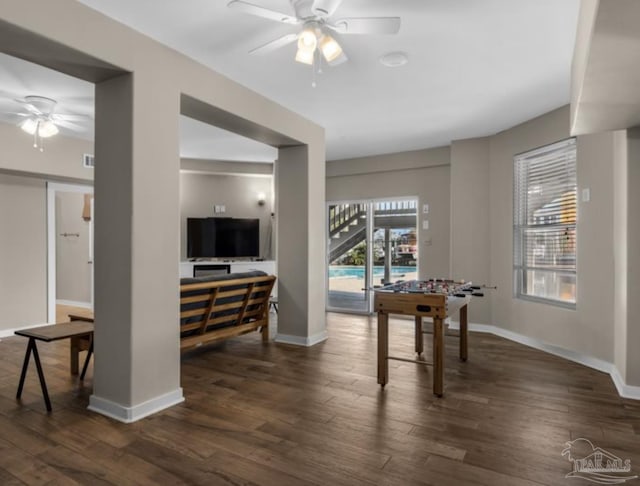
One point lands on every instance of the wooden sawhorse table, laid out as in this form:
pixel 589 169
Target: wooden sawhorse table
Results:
pixel 54 332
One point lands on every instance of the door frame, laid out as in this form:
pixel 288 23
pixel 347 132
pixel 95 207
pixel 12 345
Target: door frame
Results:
pixel 326 256
pixel 52 188
pixel 369 239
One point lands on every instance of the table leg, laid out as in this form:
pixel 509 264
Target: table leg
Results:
pixel 438 356
pixel 464 328
pixel 383 348
pixel 86 361
pixel 31 347
pixel 74 356
pixel 25 365
pixel 419 339
pixel 43 384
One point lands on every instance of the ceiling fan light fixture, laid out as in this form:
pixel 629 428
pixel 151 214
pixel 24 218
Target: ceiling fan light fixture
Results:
pixel 30 126
pixel 47 129
pixel 305 56
pixel 330 48
pixel 307 40
pixel 339 60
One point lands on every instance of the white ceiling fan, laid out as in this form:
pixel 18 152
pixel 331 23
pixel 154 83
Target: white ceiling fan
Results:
pixel 40 120
pixel 314 39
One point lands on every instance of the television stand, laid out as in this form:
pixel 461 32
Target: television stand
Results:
pixel 201 268
pixel 207 269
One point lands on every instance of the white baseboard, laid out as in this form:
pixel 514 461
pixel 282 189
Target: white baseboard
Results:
pixel 10 332
pixel 74 303
pixel 137 412
pixel 300 340
pixel 624 390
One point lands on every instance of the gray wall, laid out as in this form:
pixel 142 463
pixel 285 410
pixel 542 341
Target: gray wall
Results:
pixel 23 226
pixel 469 188
pixel 23 252
pixel 423 174
pixel 589 328
pixel 73 272
pixel 470 221
pixel 632 336
pixel 61 159
pixel 200 192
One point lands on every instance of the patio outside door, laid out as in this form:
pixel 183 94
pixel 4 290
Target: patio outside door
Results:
pixel 348 257
pixel 371 243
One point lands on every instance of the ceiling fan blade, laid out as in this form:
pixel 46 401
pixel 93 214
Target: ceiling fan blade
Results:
pixel 266 13
pixel 68 117
pixel 325 8
pixel 29 107
pixel 371 25
pixel 71 126
pixel 274 44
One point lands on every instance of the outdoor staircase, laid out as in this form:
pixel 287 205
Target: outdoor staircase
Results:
pixel 347 228
pixel 348 223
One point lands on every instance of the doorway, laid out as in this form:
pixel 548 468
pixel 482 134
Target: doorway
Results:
pixel 69 247
pixel 371 243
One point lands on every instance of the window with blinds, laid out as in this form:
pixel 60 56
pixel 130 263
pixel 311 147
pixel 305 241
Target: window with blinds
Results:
pixel 544 227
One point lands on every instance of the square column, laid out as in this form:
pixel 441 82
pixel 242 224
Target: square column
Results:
pixel 137 356
pixel 301 242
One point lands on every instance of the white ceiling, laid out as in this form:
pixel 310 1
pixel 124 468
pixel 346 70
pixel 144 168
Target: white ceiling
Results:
pixel 475 67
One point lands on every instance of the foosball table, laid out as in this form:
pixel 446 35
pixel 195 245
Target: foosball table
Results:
pixel 435 298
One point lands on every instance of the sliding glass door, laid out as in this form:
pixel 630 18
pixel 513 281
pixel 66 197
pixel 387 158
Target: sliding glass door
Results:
pixel 371 243
pixel 348 256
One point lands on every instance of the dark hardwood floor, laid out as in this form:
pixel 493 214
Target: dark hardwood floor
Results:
pixel 284 415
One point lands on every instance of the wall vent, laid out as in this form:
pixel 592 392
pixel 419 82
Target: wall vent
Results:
pixel 88 161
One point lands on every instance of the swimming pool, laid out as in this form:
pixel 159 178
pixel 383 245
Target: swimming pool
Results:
pixel 349 271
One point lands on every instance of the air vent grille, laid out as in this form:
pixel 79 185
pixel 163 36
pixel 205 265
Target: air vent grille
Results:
pixel 88 161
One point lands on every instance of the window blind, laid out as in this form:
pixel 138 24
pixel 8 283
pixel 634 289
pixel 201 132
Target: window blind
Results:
pixel 545 216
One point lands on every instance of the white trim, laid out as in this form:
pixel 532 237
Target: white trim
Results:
pixel 301 340
pixel 137 412
pixel 10 332
pixel 74 303
pixel 51 252
pixel 52 187
pixel 624 390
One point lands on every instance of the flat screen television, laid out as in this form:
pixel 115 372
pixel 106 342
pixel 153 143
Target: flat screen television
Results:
pixel 223 237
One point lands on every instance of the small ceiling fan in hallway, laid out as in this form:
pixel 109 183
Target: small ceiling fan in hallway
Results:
pixel 39 120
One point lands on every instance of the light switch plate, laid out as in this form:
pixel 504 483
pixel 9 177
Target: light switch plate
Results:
pixel 425 224
pixel 586 194
pixel 425 209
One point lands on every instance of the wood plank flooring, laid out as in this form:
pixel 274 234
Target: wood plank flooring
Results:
pixel 283 415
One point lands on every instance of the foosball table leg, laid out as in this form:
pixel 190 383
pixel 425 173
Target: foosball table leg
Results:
pixel 438 356
pixel 383 348
pixel 464 332
pixel 418 338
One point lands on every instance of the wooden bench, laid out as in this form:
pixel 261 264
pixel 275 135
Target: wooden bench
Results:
pixel 212 309
pixel 220 307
